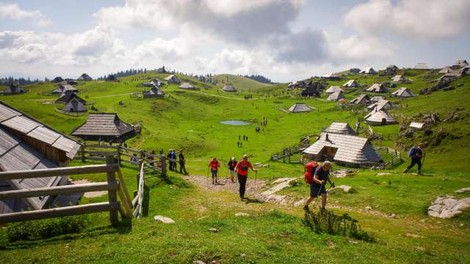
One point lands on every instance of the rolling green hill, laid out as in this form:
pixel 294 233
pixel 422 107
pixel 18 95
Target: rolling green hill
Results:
pixel 191 120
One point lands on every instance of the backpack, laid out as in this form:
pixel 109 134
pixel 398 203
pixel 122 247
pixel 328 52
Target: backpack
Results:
pixel 310 167
pixel 412 152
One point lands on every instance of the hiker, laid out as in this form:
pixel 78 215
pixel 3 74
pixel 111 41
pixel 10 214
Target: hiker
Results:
pixel 242 172
pixel 231 167
pixel 134 159
pixel 416 154
pixel 317 187
pixel 214 166
pixel 150 158
pixel 173 159
pixel 182 162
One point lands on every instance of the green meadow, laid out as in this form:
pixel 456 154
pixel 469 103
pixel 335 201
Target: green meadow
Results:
pixel 387 203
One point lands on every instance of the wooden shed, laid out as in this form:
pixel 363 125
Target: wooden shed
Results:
pixel 333 89
pixel 63 88
pixel 104 127
pixel 351 83
pixel 340 128
pixel 172 79
pixel 27 144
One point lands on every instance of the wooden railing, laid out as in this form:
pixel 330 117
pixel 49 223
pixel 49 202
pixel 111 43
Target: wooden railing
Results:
pixel 115 186
pixel 139 198
pixel 99 152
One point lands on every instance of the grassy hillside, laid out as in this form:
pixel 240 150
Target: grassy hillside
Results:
pixel 391 205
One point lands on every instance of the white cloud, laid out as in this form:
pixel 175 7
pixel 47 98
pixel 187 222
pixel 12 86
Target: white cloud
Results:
pixel 411 18
pixel 14 12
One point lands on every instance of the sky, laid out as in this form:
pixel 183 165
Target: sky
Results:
pixel 283 40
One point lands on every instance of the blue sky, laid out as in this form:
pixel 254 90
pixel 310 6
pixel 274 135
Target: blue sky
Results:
pixel 284 40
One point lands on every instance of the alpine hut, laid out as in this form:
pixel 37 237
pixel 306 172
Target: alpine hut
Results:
pixel 104 127
pixel 27 144
pixel 188 86
pixel 84 77
pixel 362 99
pixel 13 89
pixel 343 148
pixel 351 83
pixel 154 92
pixel 377 88
pixel 368 70
pixel 229 88
pixel 379 118
pixel 172 79
pixel 399 79
pixel 340 128
pixel 333 89
pixel 299 108
pixel 62 88
pixel 336 96
pixel 75 105
pixel 403 92
pixel 380 105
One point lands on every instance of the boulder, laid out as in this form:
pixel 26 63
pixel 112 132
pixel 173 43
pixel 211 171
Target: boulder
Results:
pixel 448 207
pixel 163 219
pixel 463 190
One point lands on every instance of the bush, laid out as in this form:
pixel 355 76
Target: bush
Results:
pixel 41 229
pixel 325 221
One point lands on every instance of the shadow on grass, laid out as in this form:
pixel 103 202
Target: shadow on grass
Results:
pixel 252 200
pixel 123 227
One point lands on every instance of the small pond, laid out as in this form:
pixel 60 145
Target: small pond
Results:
pixel 235 123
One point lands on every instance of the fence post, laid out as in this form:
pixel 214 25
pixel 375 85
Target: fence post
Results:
pixel 83 151
pixel 112 194
pixel 118 153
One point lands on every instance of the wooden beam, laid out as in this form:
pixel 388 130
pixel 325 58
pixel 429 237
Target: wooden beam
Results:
pixel 23 174
pixel 59 212
pixel 64 189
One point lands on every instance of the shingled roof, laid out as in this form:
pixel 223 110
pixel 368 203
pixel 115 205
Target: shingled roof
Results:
pixel 343 149
pixel 340 128
pixel 299 107
pixel 27 144
pixel 377 118
pixel 104 126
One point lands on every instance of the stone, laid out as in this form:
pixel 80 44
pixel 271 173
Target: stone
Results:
pixel 463 190
pixel 241 214
pixel 213 230
pixel 163 219
pixel 448 207
pixel 345 188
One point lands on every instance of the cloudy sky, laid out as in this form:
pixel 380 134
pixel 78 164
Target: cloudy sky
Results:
pixel 284 40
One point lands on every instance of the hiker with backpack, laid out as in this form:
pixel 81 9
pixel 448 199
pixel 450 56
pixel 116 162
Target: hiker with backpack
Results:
pixel 416 154
pixel 242 171
pixel 231 167
pixel 214 166
pixel 317 178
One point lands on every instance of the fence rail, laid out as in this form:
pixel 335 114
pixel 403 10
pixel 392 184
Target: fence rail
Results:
pixel 115 187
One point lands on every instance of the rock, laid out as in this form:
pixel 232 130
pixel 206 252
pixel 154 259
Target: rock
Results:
pixel 213 230
pixel 447 207
pixel 383 173
pixel 241 214
pixel 463 190
pixel 368 208
pixel 345 188
pixel 199 262
pixel 283 183
pixel 163 219
pixel 342 173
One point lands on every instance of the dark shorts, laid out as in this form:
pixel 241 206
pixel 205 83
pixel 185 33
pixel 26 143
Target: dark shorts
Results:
pixel 315 190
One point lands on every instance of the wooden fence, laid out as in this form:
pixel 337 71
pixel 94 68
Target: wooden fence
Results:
pixel 286 154
pixel 119 200
pixel 99 152
pixel 391 157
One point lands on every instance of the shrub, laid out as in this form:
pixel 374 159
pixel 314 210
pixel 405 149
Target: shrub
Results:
pixel 41 229
pixel 325 221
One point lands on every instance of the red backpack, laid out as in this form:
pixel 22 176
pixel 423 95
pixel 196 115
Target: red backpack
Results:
pixel 310 167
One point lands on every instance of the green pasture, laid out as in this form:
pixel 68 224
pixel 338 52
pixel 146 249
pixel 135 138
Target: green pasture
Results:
pixel 387 203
